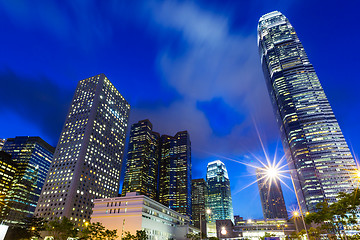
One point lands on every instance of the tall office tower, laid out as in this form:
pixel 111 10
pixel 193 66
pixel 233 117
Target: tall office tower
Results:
pixel 198 201
pixel 33 157
pixel 271 195
pixel 7 172
pixel 88 157
pixel 219 194
pixel 314 145
pixel 175 172
pixel 141 173
pixel 2 142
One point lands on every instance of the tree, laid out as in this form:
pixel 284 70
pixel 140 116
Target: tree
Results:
pixel 63 229
pixel 97 231
pixel 267 235
pixel 213 238
pixel 329 216
pixel 140 235
pixel 32 228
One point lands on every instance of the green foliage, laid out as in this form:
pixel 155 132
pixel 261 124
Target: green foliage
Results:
pixel 97 231
pixel 267 235
pixel 32 228
pixel 328 216
pixel 140 235
pixel 213 238
pixel 61 230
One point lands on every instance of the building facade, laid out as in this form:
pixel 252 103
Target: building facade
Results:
pixel 175 172
pixel 254 229
pixel 219 199
pixel 88 157
pixel 142 164
pixel 199 203
pixel 138 212
pixel 317 153
pixel 7 173
pixel 271 195
pixel 2 142
pixel 33 157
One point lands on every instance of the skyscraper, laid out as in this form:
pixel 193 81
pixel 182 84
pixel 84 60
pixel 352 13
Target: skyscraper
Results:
pixel 88 157
pixel 219 194
pixel 271 195
pixel 33 157
pixel 198 201
pixel 175 172
pixel 315 148
pixel 2 142
pixel 142 164
pixel 7 172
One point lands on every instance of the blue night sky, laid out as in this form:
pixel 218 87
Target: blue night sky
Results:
pixel 184 65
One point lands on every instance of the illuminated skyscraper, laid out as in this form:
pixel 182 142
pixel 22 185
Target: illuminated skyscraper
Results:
pixel 219 194
pixel 88 157
pixel 7 173
pixel 141 173
pixel 271 195
pixel 314 145
pixel 175 172
pixel 198 201
pixel 2 142
pixel 33 157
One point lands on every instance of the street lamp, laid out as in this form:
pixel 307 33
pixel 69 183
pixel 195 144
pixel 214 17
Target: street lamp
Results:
pixel 208 212
pixel 223 231
pixel 301 212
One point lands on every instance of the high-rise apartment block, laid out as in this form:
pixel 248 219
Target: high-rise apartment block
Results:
pixel 317 153
pixel 159 167
pixel 7 173
pixel 88 157
pixel 142 164
pixel 175 172
pixel 271 195
pixel 198 201
pixel 33 157
pixel 219 199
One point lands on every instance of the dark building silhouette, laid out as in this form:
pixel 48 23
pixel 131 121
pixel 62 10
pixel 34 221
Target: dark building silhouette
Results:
pixel 271 195
pixel 175 172
pixel 317 153
pixel 33 157
pixel 142 164
pixel 88 157
pixel 198 201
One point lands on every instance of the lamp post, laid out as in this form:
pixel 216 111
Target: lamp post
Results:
pixel 207 211
pixel 301 212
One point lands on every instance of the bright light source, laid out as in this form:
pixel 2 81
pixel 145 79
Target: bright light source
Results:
pixel 272 172
pixel 296 213
pixel 223 231
pixel 208 211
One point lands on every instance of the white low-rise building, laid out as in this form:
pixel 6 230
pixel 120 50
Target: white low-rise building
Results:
pixel 138 212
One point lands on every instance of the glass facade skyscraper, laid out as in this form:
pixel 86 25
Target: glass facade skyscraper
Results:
pixel 88 157
pixel 33 157
pixel 198 201
pixel 175 172
pixel 142 164
pixel 271 195
pixel 219 199
pixel 317 153
pixel 7 173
